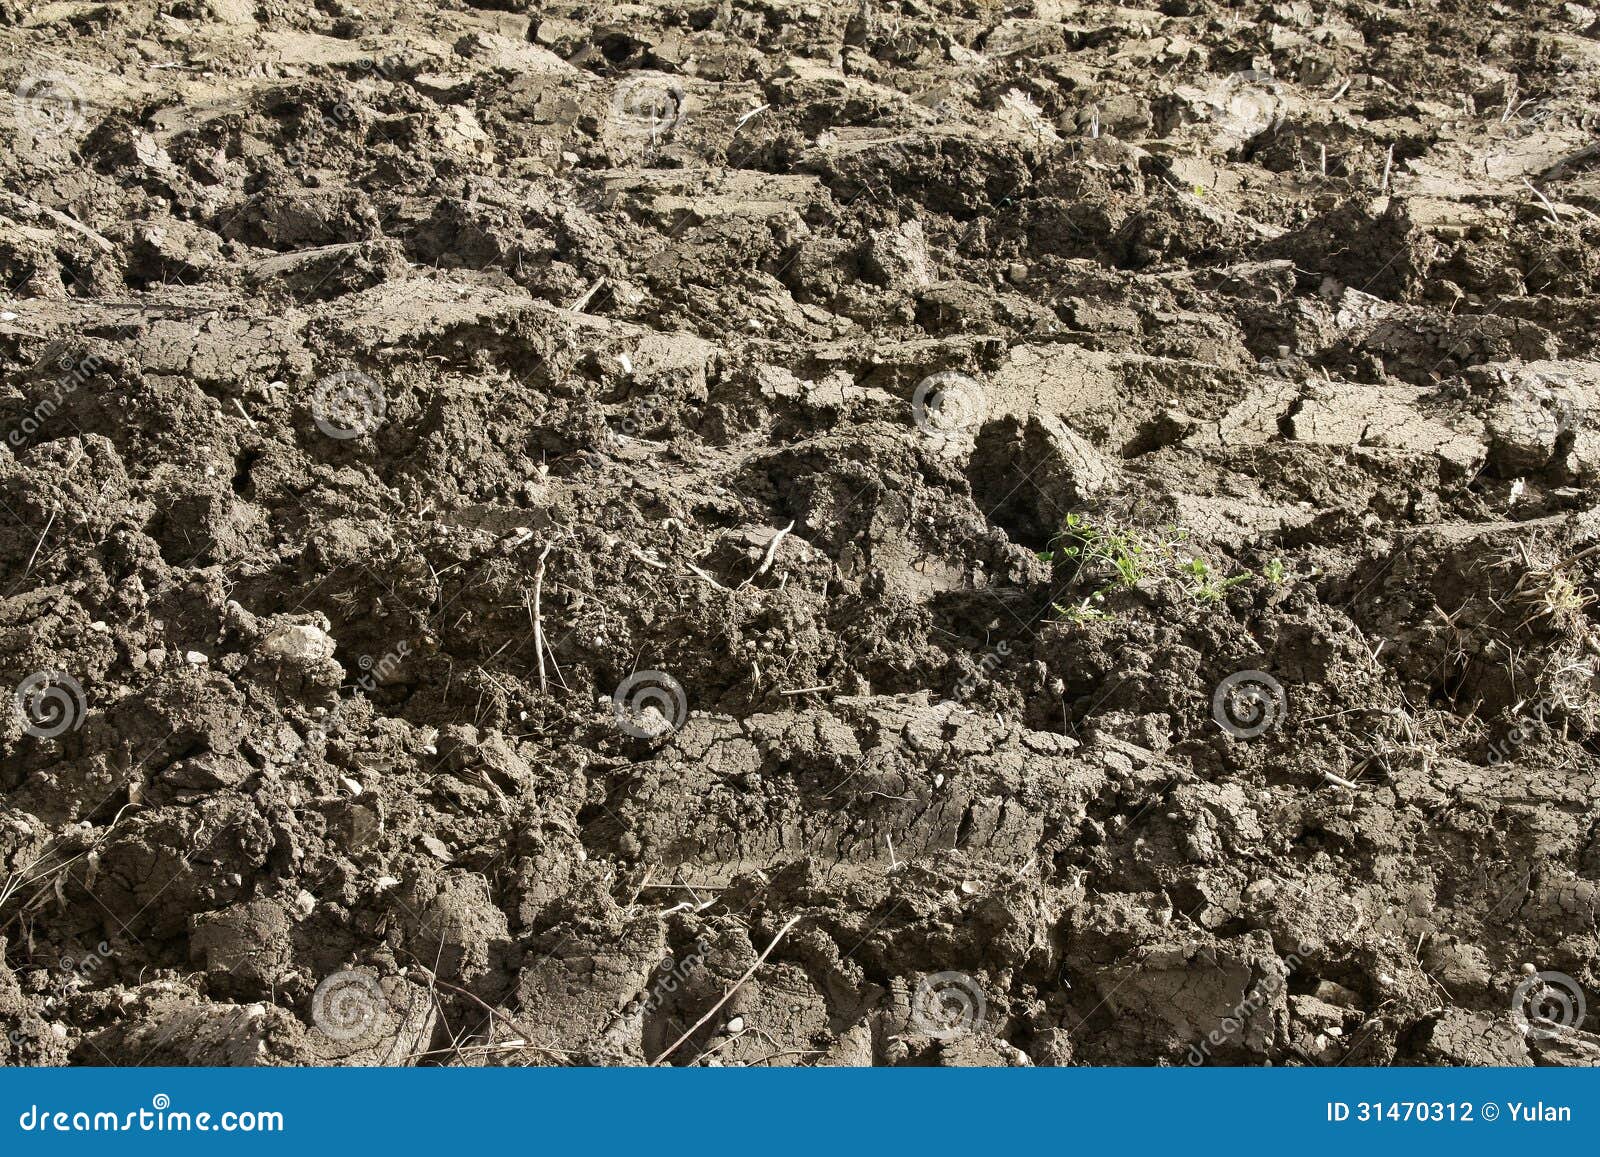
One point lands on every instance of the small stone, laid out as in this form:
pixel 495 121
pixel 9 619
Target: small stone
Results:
pixel 196 658
pixel 435 848
pixel 1017 273
pixel 736 1024
pixel 1529 970
pixel 1260 891
pixel 300 643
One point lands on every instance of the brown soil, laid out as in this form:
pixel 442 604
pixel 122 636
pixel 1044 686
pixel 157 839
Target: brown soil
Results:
pixel 777 533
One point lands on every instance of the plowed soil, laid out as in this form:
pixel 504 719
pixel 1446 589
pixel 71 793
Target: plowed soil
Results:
pixel 776 533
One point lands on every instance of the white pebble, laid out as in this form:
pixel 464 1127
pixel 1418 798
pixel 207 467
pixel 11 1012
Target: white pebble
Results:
pixel 300 643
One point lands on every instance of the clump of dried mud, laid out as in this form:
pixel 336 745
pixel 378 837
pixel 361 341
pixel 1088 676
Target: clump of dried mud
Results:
pixel 762 533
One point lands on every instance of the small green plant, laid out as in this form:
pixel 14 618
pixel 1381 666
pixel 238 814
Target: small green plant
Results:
pixel 1113 558
pixel 1083 611
pixel 1123 551
pixel 1275 572
pixel 1204 585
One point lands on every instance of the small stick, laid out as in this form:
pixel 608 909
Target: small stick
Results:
pixel 1548 207
pixel 727 996
pixel 494 1013
pixel 1387 165
pixel 1323 150
pixel 577 306
pixel 43 534
pixel 772 553
pixel 69 222
pixel 809 690
pixel 538 613
pixel 708 578
pixel 1341 781
pixel 893 863
pixel 243 413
